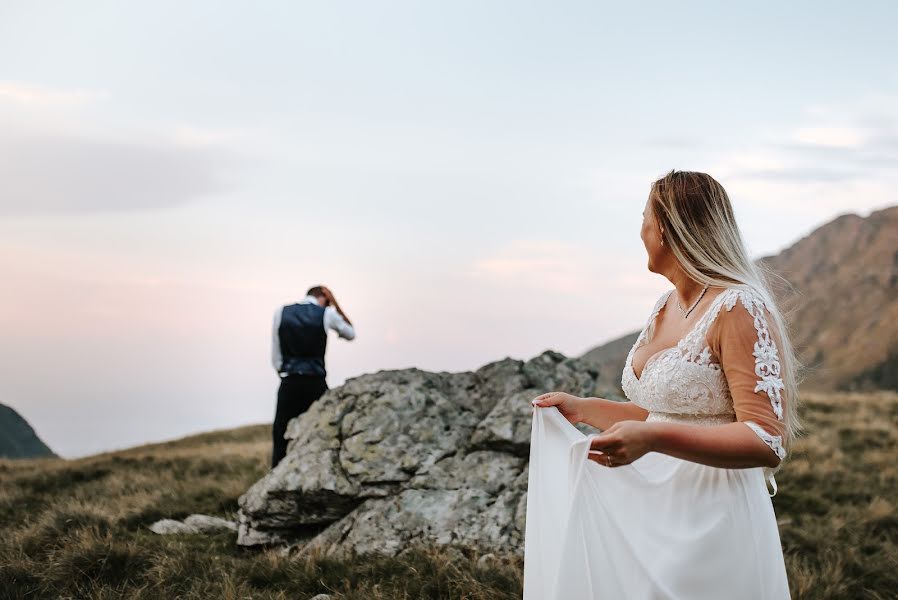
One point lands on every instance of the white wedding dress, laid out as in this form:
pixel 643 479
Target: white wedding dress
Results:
pixel 660 527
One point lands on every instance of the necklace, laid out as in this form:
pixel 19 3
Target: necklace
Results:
pixel 694 304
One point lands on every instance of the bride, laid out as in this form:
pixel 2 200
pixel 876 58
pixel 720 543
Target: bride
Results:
pixel 670 500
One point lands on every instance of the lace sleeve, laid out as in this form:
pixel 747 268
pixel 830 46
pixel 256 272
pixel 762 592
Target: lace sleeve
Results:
pixel 742 340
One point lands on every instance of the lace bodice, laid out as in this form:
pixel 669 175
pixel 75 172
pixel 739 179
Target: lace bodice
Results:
pixel 685 384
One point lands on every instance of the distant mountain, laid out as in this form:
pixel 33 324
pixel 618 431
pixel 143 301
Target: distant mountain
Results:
pixel 843 312
pixel 845 316
pixel 17 438
pixel 609 358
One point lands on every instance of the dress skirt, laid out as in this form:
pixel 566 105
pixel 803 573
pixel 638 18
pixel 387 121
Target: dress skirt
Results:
pixel 660 528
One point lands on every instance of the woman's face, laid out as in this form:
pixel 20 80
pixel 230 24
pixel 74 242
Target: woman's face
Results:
pixel 651 238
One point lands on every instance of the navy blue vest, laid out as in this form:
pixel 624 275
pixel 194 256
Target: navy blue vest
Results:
pixel 303 339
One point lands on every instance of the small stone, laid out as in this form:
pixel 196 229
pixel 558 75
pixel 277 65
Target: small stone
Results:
pixel 171 526
pixel 209 524
pixel 485 560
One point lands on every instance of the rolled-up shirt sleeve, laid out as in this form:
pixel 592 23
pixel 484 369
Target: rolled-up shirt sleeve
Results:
pixel 276 357
pixel 745 342
pixel 334 320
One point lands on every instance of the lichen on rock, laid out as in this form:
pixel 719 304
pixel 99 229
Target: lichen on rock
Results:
pixel 396 457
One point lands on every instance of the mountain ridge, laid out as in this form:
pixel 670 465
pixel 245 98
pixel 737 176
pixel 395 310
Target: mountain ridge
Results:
pixel 842 307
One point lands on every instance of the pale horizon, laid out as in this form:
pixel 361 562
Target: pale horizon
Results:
pixel 469 180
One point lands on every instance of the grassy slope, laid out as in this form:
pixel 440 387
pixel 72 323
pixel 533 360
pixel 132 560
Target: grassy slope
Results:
pixel 78 528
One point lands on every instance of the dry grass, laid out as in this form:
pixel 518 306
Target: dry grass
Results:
pixel 78 529
pixel 836 504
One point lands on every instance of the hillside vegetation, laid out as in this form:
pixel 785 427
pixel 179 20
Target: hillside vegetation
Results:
pixel 844 317
pixel 76 529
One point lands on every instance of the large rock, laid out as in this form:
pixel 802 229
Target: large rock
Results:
pixel 400 457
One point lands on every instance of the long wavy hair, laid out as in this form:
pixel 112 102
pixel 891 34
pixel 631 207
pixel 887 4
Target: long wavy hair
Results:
pixel 700 228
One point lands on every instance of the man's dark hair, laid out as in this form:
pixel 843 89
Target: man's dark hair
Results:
pixel 316 291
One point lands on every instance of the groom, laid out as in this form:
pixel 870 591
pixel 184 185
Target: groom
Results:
pixel 299 338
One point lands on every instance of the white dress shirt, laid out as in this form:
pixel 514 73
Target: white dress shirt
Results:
pixel 332 321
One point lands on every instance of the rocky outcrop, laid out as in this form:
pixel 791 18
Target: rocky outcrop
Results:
pixel 400 457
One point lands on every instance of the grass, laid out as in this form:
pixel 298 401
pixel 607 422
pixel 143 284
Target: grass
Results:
pixel 78 529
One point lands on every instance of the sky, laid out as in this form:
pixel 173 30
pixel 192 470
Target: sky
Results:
pixel 468 177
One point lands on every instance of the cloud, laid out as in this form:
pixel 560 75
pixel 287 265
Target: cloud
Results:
pixel 57 174
pixel 193 136
pixel 527 265
pixel 674 142
pixel 835 144
pixel 32 95
pixel 830 137
pixel 57 156
pixel 801 174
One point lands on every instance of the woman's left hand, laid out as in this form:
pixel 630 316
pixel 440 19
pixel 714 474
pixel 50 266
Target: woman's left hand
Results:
pixel 623 442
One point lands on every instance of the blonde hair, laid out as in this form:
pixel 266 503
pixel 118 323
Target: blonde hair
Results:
pixel 699 225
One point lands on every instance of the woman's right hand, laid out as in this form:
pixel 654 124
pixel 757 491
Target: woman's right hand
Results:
pixel 571 407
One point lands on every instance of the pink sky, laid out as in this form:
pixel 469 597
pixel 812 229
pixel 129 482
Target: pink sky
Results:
pixel 469 184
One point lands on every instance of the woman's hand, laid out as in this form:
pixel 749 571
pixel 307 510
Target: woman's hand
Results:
pixel 623 442
pixel 571 407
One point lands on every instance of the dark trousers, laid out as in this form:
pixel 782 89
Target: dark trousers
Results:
pixel 295 395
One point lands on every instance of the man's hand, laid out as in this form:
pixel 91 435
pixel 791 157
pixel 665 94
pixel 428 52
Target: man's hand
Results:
pixel 329 298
